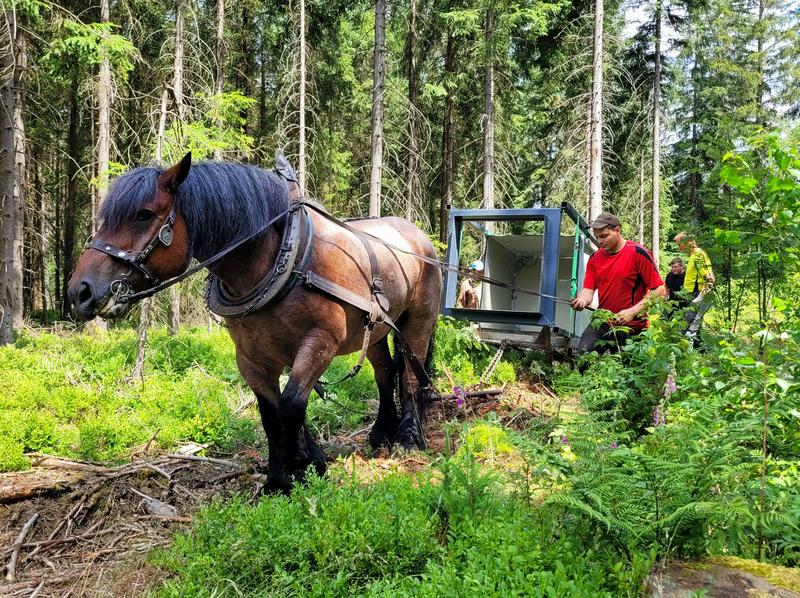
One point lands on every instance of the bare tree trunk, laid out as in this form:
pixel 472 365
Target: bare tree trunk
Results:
pixel 412 164
pixel 694 177
pixel 103 143
pixel 301 166
pixel 20 177
pixel 657 137
pixel 144 312
pixel 596 118
pixel 488 116
pixel 174 312
pixel 7 182
pixel 220 59
pixel 642 207
pixel 73 158
pixel 378 84
pixel 447 141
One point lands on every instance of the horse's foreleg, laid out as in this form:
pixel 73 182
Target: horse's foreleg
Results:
pixel 385 426
pixel 301 450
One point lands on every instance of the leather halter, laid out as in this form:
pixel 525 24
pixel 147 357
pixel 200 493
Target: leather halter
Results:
pixel 136 259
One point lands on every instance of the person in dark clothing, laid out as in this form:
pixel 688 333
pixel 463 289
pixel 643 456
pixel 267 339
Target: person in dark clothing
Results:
pixel 624 275
pixel 674 281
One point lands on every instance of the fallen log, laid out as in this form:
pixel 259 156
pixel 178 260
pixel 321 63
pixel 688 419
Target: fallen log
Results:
pixel 491 392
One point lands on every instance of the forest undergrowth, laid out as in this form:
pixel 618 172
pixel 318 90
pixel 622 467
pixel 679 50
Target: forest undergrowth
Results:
pixel 661 451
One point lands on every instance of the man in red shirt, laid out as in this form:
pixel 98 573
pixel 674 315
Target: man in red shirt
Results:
pixel 624 275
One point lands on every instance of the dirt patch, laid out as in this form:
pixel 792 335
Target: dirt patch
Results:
pixel 93 526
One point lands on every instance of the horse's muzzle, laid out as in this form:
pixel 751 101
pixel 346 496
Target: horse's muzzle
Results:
pixel 84 299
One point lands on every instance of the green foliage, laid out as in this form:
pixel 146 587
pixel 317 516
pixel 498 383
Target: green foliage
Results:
pixel 71 396
pixel 459 351
pixel 458 533
pixel 91 43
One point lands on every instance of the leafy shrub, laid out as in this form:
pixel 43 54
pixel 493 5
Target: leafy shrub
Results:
pixel 457 533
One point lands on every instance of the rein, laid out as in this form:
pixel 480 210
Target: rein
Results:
pixel 122 293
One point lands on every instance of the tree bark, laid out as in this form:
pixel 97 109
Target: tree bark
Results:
pixel 488 116
pixel 657 137
pixel 174 312
pixel 73 158
pixel 412 163
pixel 6 185
pixel 20 176
pixel 301 166
pixel 447 140
pixel 642 206
pixel 378 84
pixel 596 118
pixel 219 55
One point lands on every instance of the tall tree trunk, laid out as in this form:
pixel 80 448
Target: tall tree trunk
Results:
pixel 73 158
pixel 41 237
pixel 694 172
pixel 412 164
pixel 378 83
pixel 301 166
pixel 174 312
pixel 20 176
pixel 7 184
pixel 642 206
pixel 103 141
pixel 488 115
pixel 596 118
pixel 657 137
pixel 447 140
pixel 219 55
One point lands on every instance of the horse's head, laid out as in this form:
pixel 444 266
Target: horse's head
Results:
pixel 147 245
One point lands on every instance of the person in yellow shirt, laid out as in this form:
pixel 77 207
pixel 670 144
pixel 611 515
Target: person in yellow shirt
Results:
pixel 697 284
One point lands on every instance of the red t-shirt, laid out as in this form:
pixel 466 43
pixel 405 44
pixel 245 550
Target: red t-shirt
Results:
pixel 622 278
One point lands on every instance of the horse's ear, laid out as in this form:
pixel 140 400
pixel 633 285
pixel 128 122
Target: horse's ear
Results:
pixel 171 179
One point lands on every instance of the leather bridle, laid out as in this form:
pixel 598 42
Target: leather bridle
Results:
pixel 121 288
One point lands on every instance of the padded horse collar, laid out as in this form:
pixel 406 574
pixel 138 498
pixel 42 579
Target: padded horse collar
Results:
pixel 290 262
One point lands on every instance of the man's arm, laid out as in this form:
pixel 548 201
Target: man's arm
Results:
pixel 582 299
pixel 626 315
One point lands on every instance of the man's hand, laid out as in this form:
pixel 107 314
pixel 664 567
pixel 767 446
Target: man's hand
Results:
pixel 626 315
pixel 582 299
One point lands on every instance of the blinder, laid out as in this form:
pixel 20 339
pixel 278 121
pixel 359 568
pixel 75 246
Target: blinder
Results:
pixel 136 259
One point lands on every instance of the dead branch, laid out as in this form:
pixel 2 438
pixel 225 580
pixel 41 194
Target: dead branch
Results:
pixel 203 459
pixel 155 506
pixel 12 563
pixel 37 590
pixel 492 392
pixel 172 518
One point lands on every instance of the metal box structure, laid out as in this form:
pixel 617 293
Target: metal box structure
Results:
pixel 551 264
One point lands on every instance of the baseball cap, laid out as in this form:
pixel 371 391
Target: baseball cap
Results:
pixel 605 219
pixel 476 265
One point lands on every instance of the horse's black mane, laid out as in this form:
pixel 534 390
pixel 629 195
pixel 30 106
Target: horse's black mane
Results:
pixel 221 202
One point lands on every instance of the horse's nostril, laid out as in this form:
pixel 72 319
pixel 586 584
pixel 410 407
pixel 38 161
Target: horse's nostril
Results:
pixel 84 294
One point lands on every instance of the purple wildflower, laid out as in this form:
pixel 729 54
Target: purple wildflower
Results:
pixel 669 386
pixel 459 392
pixel 614 445
pixel 564 439
pixel 659 417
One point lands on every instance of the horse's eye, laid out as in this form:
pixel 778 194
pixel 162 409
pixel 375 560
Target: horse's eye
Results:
pixel 144 216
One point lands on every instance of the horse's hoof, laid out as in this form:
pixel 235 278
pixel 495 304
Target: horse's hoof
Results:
pixel 281 484
pixel 379 438
pixel 409 440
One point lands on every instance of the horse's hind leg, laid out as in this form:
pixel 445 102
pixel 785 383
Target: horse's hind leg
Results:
pixel 418 332
pixel 385 426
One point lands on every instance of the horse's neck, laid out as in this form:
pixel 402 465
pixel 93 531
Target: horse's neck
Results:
pixel 244 268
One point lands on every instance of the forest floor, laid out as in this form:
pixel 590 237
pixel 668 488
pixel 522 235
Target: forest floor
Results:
pixel 88 529
pixel 74 528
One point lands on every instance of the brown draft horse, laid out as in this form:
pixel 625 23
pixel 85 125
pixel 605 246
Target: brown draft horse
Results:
pixel 154 221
